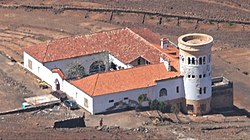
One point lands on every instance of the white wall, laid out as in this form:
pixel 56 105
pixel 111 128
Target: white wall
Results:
pixel 101 103
pixel 38 69
pixel 117 61
pixel 46 75
pixel 193 85
pixel 170 85
pixel 78 95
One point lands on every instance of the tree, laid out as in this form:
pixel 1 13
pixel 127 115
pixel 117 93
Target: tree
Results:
pixel 162 106
pixel 154 105
pixel 76 70
pixel 141 98
pixel 176 111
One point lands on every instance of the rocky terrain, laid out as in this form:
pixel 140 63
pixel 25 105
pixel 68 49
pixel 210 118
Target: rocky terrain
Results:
pixel 20 27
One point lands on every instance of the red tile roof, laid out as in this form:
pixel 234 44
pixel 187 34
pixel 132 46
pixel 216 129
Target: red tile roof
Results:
pixel 125 44
pixel 56 70
pixel 124 80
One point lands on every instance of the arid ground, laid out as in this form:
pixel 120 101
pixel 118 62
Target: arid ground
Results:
pixel 20 27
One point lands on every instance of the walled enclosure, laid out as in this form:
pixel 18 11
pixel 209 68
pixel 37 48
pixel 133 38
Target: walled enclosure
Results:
pixel 222 93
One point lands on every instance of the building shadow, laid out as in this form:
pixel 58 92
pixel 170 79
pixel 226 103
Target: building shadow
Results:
pixel 230 112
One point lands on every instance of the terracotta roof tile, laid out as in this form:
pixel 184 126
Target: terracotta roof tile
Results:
pixel 125 44
pixel 123 80
pixel 61 74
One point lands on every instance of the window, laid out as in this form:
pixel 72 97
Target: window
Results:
pixel 200 90
pixel 193 76
pixel 125 98
pixel 139 61
pixel 189 60
pixel 209 58
pixel 177 89
pixel 193 61
pixel 163 92
pixel 190 107
pixel 200 61
pixel 30 64
pixel 86 102
pixel 182 58
pixel 189 76
pixel 204 75
pixel 111 101
pixel 200 76
pixel 205 90
pixel 204 60
pixel 97 66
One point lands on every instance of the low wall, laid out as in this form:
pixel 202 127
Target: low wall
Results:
pixel 31 108
pixel 222 93
pixel 70 123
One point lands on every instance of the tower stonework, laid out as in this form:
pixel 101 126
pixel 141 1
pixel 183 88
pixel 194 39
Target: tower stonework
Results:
pixel 195 67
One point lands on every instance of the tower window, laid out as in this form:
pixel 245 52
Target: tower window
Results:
pixel 205 90
pixel 193 76
pixel 163 92
pixel 200 76
pixel 200 61
pixel 189 76
pixel 190 107
pixel 177 89
pixel 200 90
pixel 189 60
pixel 209 58
pixel 204 60
pixel 193 61
pixel 204 75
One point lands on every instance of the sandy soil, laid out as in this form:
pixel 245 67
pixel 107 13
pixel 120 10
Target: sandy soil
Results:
pixel 20 27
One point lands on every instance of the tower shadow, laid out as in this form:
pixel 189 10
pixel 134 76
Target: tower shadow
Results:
pixel 230 112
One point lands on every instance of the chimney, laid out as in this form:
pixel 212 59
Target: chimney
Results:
pixel 164 43
pixel 166 63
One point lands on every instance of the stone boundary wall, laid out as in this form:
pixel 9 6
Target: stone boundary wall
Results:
pixel 31 108
pixel 70 123
pixel 61 8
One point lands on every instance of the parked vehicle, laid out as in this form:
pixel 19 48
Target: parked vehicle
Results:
pixel 70 104
pixel 43 85
pixel 60 95
pixel 25 105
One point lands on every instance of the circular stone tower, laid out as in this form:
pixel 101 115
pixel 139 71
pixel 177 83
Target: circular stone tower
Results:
pixel 195 66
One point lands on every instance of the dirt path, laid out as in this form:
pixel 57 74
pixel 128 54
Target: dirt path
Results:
pixel 227 4
pixel 15 85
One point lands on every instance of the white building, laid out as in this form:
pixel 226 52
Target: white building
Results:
pixel 101 71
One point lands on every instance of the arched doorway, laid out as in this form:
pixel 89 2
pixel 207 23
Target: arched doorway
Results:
pixel 57 84
pixel 97 66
